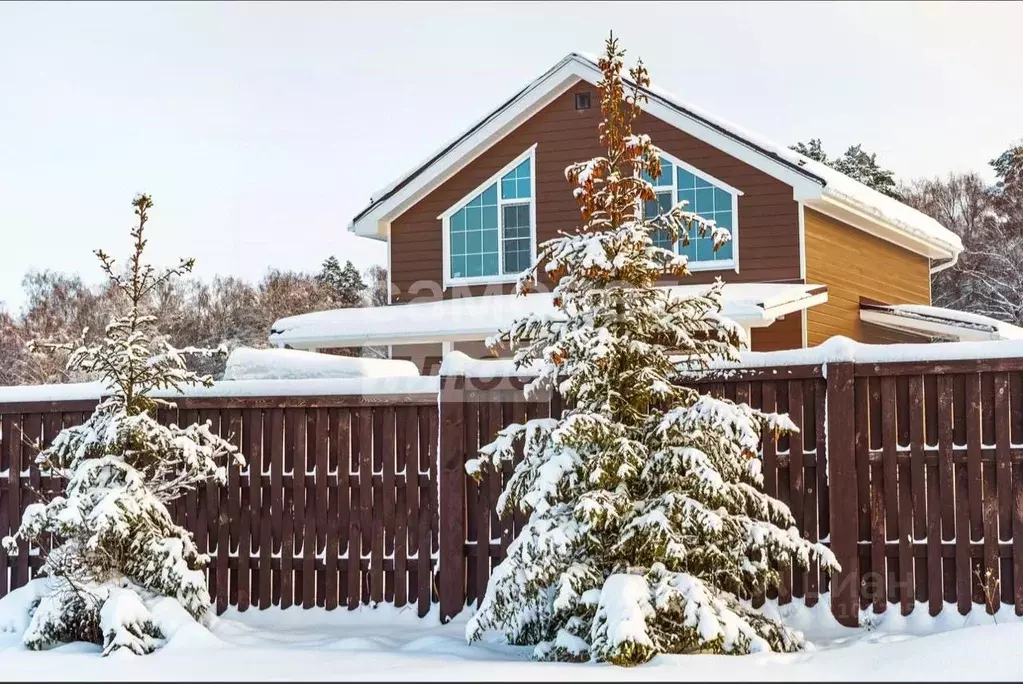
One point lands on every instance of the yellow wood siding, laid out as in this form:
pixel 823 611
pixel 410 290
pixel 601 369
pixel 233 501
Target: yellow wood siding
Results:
pixel 854 264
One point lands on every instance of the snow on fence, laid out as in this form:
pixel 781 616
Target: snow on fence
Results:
pixel 909 469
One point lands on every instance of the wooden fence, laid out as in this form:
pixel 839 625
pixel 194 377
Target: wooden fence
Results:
pixel 910 471
pixel 337 504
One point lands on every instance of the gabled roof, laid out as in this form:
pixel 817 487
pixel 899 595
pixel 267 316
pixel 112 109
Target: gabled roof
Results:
pixel 816 184
pixel 475 318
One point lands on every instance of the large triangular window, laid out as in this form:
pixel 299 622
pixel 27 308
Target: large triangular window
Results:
pixel 705 195
pixel 490 235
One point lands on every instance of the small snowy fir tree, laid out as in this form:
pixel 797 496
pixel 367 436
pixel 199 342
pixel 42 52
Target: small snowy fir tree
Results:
pixel 648 525
pixel 116 545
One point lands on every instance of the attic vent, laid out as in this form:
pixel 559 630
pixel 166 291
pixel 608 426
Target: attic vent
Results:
pixel 582 100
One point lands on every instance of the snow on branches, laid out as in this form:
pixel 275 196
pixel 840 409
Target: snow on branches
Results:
pixel 117 545
pixel 648 524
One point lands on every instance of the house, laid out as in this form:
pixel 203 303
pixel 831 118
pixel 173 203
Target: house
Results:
pixel 813 252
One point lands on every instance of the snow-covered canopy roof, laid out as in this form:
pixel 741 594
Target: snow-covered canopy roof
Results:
pixel 474 318
pixel 817 185
pixel 246 363
pixel 934 321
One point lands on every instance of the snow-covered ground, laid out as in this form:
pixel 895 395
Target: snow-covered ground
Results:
pixel 392 644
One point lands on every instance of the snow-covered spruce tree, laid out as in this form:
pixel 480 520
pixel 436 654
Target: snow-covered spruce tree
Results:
pixel 116 544
pixel 648 525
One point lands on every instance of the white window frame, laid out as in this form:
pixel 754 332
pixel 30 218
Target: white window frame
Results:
pixel 718 265
pixel 445 219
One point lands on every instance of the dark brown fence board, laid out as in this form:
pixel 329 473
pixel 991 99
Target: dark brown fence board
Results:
pixel 453 499
pixel 482 556
pixel 429 517
pixel 796 502
pixel 470 426
pixel 890 469
pixel 974 473
pixel 918 467
pixel 962 497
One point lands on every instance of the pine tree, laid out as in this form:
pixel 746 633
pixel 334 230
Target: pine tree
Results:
pixel 855 163
pixel 647 523
pixel 812 149
pixel 118 546
pixel 345 284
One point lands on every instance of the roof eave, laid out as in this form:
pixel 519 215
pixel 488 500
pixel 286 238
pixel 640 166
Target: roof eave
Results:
pixel 878 227
pixel 925 327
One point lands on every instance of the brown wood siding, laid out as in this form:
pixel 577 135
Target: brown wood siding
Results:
pixel 854 264
pixel 768 220
pixel 784 333
pixel 427 357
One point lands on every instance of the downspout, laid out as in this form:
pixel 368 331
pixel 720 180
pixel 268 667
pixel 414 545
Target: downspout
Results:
pixel 948 264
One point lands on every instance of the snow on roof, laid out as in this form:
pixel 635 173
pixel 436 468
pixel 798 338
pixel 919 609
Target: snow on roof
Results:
pixel 833 350
pixel 938 321
pixel 246 363
pixel 836 186
pixel 475 318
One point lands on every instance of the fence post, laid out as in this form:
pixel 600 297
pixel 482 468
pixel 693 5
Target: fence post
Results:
pixel 451 583
pixel 841 426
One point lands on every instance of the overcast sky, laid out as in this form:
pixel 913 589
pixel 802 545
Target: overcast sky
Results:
pixel 261 129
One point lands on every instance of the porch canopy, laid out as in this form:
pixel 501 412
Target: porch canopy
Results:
pixel 937 322
pixel 463 319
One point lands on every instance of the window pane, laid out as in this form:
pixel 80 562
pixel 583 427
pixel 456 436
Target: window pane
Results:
pixel 490 241
pixel 662 238
pixel 685 180
pixel 724 219
pixel 704 249
pixel 516 237
pixel 474 242
pixel 516 255
pixel 722 200
pixel 650 209
pixel 688 196
pixel 473 266
pixel 704 202
pixel 490 264
pixel 489 195
pixel 490 218
pixel 664 199
pixel 457 266
pixel 667 168
pixel 458 244
pixel 689 250
pixel 724 252
pixel 515 183
pixel 473 218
